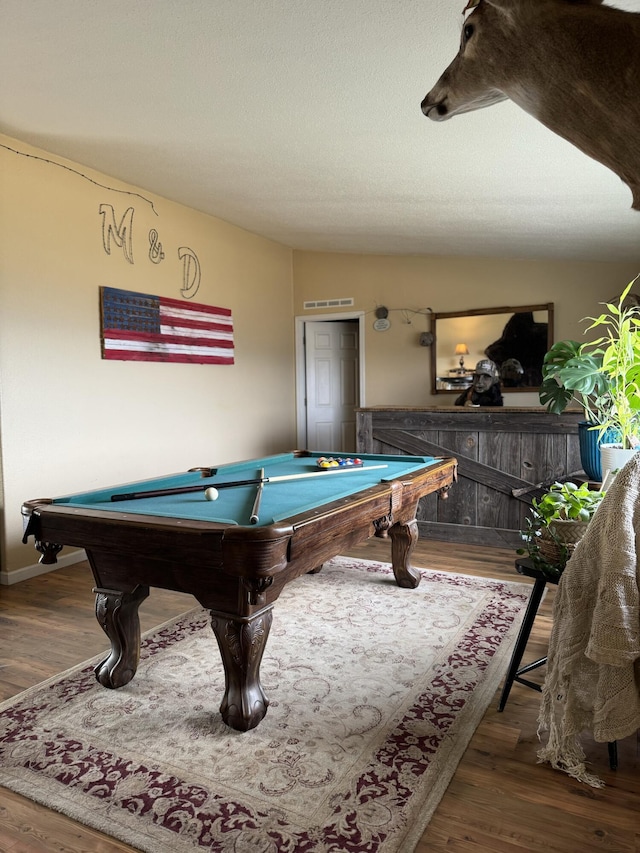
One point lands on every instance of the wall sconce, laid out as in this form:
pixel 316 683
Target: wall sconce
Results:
pixel 382 322
pixel 462 350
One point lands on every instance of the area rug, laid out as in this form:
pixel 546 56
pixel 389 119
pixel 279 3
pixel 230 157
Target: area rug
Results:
pixel 375 693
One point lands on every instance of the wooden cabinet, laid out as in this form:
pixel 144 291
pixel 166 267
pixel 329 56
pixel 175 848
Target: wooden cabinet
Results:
pixel 504 455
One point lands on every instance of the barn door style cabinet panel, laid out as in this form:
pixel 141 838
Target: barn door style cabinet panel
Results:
pixel 504 456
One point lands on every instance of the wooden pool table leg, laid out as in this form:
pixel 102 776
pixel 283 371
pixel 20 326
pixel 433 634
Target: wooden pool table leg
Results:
pixel 242 641
pixel 404 535
pixel 117 613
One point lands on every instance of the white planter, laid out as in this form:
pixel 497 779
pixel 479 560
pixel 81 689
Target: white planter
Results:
pixel 613 458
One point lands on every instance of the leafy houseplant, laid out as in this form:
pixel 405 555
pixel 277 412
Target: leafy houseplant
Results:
pixel 602 375
pixel 556 523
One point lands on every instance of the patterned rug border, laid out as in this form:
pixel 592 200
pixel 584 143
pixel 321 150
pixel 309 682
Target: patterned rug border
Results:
pixel 444 760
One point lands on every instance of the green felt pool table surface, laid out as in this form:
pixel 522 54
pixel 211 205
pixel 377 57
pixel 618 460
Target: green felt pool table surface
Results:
pixel 280 500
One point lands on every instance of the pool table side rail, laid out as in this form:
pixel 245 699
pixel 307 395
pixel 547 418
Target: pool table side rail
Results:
pixel 381 507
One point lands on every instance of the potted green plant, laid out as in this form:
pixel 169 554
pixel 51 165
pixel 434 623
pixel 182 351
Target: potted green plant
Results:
pixel 556 523
pixel 602 376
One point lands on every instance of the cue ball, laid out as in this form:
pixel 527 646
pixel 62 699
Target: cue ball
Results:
pixel 211 494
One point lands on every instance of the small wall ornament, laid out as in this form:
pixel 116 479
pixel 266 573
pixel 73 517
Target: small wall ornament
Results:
pixel 382 322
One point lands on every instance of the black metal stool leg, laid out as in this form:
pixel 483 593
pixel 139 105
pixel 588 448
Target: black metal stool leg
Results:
pixel 612 748
pixel 523 638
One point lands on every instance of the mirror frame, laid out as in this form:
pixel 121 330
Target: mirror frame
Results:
pixel 475 312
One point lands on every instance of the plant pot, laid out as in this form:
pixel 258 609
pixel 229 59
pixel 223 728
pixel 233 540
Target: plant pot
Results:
pixel 558 542
pixel 590 441
pixel 613 457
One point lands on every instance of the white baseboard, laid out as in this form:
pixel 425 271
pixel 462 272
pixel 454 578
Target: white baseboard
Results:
pixel 8 578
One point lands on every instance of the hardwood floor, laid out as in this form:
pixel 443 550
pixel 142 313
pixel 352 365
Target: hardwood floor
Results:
pixel 499 801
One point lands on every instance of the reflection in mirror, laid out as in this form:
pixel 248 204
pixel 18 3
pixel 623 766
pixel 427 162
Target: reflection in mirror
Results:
pixel 516 339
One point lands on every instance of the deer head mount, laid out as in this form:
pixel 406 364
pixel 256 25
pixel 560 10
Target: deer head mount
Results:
pixel 572 64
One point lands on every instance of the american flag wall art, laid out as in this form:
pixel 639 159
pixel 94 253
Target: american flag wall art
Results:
pixel 141 327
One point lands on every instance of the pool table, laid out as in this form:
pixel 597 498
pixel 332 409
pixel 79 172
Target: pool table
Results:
pixel 176 539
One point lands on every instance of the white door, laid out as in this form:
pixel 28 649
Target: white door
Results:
pixel 332 394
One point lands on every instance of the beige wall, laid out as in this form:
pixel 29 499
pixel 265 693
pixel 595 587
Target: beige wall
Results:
pixel 397 367
pixel 71 420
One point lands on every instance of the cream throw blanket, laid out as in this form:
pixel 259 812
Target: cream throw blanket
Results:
pixel 593 669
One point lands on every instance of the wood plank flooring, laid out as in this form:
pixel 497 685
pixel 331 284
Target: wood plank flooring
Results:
pixel 499 801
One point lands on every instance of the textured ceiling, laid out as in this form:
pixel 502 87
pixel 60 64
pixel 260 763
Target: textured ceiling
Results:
pixel 300 120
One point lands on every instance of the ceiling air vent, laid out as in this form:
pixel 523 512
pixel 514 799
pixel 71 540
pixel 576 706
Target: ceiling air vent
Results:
pixel 329 303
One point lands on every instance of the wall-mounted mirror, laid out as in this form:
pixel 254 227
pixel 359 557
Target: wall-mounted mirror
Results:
pixel 516 339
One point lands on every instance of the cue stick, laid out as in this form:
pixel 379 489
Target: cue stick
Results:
pixel 281 478
pixel 256 504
